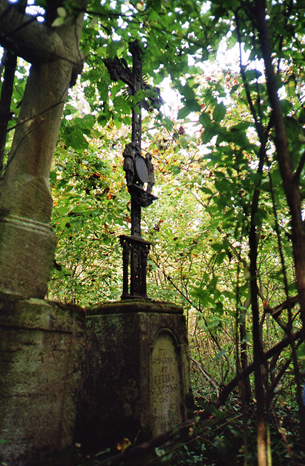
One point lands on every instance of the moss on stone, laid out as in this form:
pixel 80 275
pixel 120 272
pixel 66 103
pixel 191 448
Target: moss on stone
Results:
pixel 41 346
pixel 134 306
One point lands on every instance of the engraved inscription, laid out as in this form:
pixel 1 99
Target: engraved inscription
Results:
pixel 165 393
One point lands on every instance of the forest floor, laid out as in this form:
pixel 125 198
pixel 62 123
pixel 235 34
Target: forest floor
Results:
pixel 227 438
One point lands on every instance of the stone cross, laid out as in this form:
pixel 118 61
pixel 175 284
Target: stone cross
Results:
pixel 139 172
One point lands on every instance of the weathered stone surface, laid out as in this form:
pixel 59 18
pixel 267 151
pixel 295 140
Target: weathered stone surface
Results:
pixel 41 346
pixel 26 256
pixel 135 376
pixel 135 305
pixel 165 384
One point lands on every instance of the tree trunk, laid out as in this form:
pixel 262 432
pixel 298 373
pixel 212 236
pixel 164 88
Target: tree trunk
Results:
pixel 289 177
pixel 257 344
pixel 244 357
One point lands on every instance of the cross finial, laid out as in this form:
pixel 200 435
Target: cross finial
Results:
pixel 139 173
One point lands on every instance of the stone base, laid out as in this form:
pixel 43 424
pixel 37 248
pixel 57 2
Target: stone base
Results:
pixel 41 346
pixel 135 376
pixel 26 256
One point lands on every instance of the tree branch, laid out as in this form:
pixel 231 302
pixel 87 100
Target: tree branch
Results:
pixel 288 304
pixel 233 383
pixel 185 430
pixel 206 376
pixel 33 41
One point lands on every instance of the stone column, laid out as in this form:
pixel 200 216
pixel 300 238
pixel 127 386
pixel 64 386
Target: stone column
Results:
pixel 27 243
pixel 26 256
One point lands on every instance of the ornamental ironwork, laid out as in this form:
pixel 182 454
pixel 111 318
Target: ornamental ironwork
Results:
pixel 139 172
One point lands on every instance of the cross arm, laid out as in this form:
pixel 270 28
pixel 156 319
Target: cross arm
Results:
pixel 118 69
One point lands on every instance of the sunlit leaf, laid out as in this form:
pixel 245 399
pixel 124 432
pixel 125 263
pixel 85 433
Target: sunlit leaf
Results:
pixel 59 21
pixel 121 446
pixel 219 112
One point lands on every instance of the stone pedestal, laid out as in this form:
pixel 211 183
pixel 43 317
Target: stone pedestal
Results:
pixel 41 346
pixel 26 256
pixel 135 376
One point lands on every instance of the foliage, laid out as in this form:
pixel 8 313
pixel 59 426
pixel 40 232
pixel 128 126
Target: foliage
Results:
pixel 88 219
pixel 225 228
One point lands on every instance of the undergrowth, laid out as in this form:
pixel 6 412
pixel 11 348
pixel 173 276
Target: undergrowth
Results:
pixel 227 438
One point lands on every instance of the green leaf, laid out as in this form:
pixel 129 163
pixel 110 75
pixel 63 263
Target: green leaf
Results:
pixel 53 177
pixel 88 121
pixel 220 355
pixel 188 92
pixel 252 75
pixel 213 282
pixel 94 21
pixel 193 105
pixel 221 257
pixel 58 22
pixel 286 106
pixel 219 307
pixel 118 124
pixel 207 135
pixel 159 451
pixel 206 190
pixel 205 119
pixel 61 12
pixel 183 112
pixel 216 246
pixel 219 112
pixel 221 186
pixel 301 352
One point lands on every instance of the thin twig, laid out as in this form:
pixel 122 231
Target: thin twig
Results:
pixel 206 376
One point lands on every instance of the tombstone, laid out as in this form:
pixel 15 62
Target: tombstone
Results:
pixel 165 383
pixel 135 377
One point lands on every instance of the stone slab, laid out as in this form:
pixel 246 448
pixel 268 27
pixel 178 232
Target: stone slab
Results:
pixel 165 392
pixel 135 376
pixel 41 346
pixel 134 305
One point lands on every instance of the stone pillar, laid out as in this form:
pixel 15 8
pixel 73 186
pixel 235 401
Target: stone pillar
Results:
pixel 41 346
pixel 26 256
pixel 135 376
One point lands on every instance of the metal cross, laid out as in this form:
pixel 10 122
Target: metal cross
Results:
pixel 139 171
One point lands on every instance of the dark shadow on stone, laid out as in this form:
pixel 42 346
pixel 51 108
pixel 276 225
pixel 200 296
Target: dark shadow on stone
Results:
pixel 135 374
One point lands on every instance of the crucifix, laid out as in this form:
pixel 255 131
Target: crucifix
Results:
pixel 139 174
